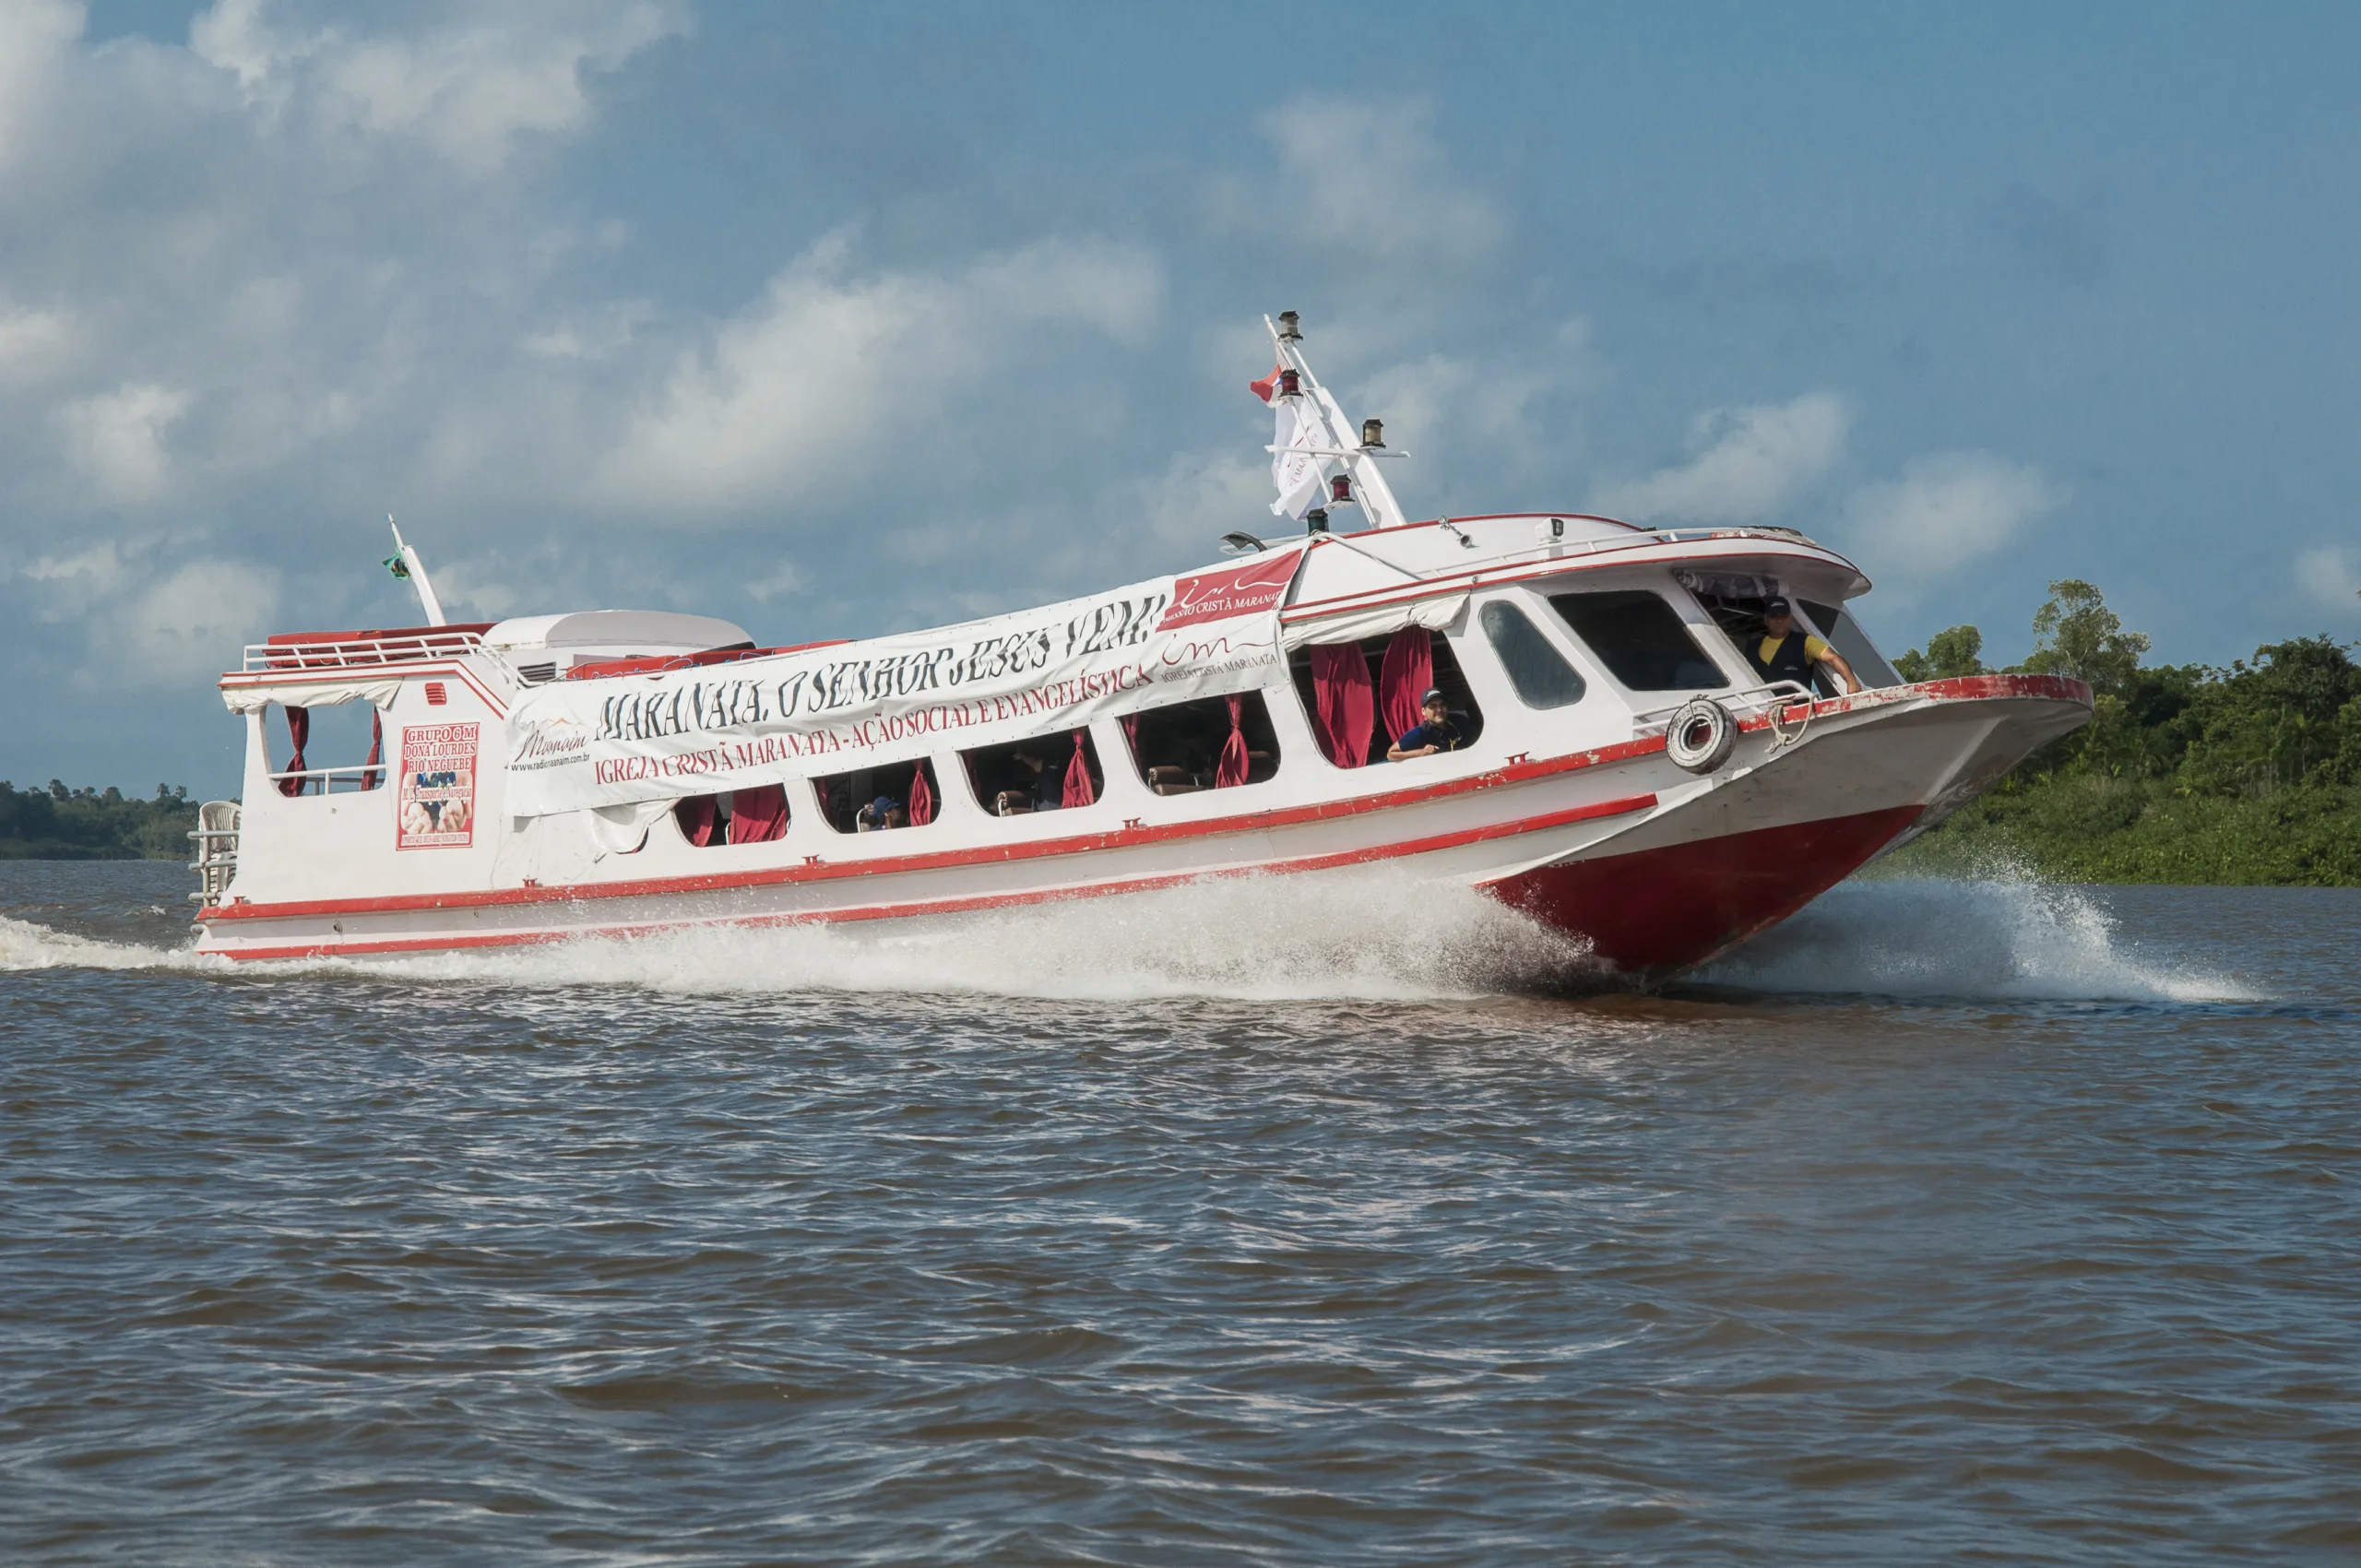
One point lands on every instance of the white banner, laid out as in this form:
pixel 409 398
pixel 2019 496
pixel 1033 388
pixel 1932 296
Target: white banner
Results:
pixel 695 732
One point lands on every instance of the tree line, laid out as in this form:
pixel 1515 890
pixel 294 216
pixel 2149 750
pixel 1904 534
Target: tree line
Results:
pixel 2188 773
pixel 58 824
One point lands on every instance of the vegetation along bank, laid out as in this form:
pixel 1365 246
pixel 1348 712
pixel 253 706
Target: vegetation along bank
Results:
pixel 2187 773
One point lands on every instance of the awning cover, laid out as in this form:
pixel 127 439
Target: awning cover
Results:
pixel 1377 621
pixel 343 687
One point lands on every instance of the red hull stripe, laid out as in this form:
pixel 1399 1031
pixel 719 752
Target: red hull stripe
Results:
pixel 1249 822
pixel 979 901
pixel 1652 910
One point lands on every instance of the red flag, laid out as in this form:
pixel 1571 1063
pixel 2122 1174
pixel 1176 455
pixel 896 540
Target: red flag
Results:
pixel 1268 385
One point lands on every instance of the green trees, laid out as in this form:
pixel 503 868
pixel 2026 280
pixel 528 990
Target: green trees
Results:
pixel 2186 773
pixel 1957 650
pixel 54 823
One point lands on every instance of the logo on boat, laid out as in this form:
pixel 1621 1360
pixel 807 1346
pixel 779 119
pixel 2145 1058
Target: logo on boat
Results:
pixel 1241 590
pixel 550 743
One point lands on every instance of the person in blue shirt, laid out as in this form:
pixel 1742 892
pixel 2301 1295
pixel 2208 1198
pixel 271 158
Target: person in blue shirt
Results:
pixel 1434 732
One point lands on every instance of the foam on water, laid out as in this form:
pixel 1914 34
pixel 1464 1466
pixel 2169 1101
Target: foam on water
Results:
pixel 1375 934
pixel 26 946
pixel 2001 938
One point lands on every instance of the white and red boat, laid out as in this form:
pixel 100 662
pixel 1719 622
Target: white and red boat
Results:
pixel 1625 773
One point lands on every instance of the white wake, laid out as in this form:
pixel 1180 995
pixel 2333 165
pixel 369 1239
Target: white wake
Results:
pixel 1375 934
pixel 2001 939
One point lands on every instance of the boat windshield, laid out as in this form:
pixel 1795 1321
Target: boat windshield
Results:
pixel 1845 635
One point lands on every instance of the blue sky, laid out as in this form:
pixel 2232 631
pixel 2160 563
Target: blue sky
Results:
pixel 843 319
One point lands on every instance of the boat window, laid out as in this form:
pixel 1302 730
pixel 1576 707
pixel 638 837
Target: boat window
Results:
pixel 1034 776
pixel 745 817
pixel 1443 675
pixel 1845 635
pixel 1178 749
pixel 1641 639
pixel 331 749
pixel 1535 668
pixel 847 800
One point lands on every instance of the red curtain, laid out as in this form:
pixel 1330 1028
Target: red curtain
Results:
pixel 758 815
pixel 921 798
pixel 695 818
pixel 1409 672
pixel 299 729
pixel 1232 767
pixel 1079 790
pixel 1342 706
pixel 376 747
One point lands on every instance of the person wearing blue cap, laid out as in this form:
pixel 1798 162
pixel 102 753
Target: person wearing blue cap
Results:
pixel 879 815
pixel 1786 654
pixel 1434 732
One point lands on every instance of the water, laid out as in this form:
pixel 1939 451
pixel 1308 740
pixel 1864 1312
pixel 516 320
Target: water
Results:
pixel 1266 1223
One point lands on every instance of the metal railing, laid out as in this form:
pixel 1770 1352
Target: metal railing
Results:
pixel 349 780
pixel 216 837
pixel 358 653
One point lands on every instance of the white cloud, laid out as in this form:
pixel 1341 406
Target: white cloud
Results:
pixel 826 378
pixel 1945 511
pixel 33 35
pixel 469 89
pixel 1749 464
pixel 31 341
pixel 1368 183
pixel 2330 576
pixel 189 622
pixel 117 439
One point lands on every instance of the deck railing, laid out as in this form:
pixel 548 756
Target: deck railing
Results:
pixel 349 780
pixel 358 652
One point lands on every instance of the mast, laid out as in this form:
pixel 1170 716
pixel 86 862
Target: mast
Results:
pixel 406 564
pixel 1333 438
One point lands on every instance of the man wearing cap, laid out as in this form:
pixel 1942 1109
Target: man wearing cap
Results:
pixel 1786 654
pixel 1434 732
pixel 880 814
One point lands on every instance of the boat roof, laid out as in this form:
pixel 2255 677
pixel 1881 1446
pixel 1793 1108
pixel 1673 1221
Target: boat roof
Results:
pixel 645 631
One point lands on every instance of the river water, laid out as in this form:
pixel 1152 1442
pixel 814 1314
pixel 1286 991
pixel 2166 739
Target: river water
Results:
pixel 1272 1223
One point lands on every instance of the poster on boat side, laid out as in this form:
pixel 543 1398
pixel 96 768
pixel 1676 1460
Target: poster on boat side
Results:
pixel 577 744
pixel 435 808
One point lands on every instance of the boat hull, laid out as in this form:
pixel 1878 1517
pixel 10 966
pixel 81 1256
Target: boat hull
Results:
pixel 1655 869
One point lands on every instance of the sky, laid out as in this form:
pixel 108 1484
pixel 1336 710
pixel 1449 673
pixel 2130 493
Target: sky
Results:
pixel 838 320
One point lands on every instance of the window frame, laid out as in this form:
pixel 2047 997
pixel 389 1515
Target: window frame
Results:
pixel 1682 605
pixel 1511 605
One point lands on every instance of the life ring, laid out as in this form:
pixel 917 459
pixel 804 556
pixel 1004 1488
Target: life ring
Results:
pixel 1700 736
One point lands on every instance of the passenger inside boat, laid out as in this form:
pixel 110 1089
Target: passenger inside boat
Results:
pixel 1036 776
pixel 1435 731
pixel 871 800
pixel 1736 602
pixel 1384 677
pixel 1186 746
pixel 1784 652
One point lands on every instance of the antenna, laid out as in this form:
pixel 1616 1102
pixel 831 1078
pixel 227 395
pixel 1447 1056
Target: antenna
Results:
pixel 406 564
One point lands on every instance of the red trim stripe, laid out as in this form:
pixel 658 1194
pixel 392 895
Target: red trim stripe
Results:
pixel 1250 822
pixel 979 901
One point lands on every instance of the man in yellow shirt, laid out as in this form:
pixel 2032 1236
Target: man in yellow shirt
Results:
pixel 1786 654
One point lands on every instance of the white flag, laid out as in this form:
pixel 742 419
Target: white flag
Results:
pixel 1301 477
